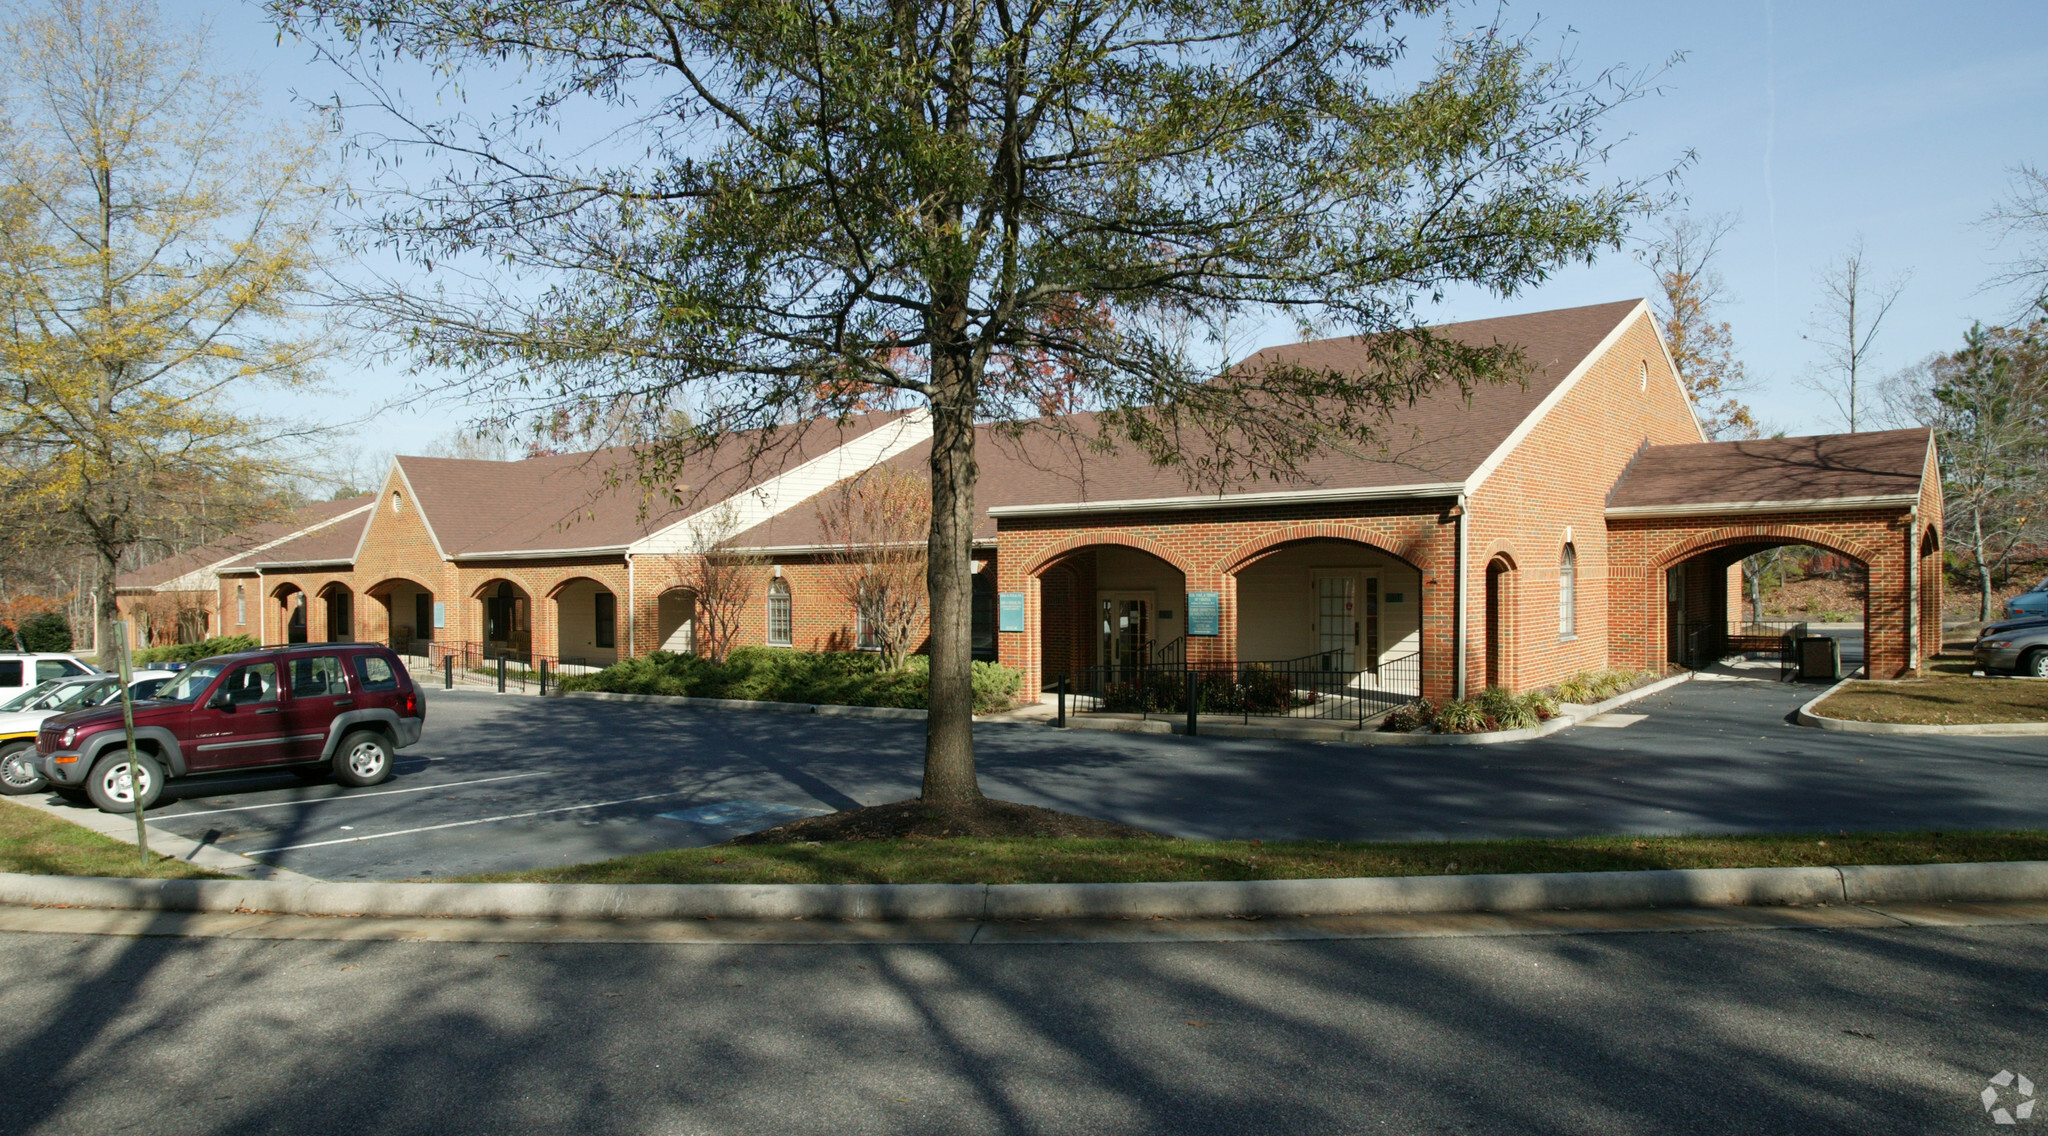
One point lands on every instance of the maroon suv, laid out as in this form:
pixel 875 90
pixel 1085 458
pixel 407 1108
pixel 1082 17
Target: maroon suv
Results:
pixel 339 707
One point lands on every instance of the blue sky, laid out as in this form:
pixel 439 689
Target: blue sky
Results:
pixel 1815 123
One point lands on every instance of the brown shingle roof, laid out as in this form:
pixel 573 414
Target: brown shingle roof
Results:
pixel 1824 467
pixel 242 544
pixel 1443 437
pixel 594 500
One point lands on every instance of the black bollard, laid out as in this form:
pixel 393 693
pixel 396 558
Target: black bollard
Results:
pixel 501 674
pixel 1060 716
pixel 448 672
pixel 1191 702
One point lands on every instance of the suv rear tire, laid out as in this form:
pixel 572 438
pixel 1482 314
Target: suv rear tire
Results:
pixel 18 773
pixel 109 785
pixel 362 759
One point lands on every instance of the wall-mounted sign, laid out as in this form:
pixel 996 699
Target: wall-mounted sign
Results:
pixel 1010 611
pixel 1205 613
pixel 440 615
pixel 1396 597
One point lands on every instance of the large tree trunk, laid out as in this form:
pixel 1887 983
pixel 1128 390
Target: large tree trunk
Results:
pixel 949 727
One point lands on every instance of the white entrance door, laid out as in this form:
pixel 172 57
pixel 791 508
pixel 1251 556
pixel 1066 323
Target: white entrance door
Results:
pixel 1337 622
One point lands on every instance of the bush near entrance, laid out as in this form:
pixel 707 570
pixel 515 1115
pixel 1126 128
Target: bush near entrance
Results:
pixel 770 674
pixel 193 652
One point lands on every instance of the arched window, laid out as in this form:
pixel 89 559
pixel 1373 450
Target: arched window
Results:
pixel 1568 593
pixel 779 621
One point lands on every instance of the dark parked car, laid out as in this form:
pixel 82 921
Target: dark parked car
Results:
pixel 342 708
pixel 2018 645
pixel 2030 604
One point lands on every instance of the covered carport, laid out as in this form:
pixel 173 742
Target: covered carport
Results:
pixel 1682 518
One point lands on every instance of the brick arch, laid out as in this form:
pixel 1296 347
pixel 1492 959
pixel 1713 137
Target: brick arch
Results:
pixel 1084 540
pixel 284 589
pixel 397 578
pixel 1241 557
pixel 556 589
pixel 1760 534
pixel 1503 550
pixel 481 590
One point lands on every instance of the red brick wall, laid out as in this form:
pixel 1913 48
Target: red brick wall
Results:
pixel 1640 548
pixel 1208 548
pixel 1557 481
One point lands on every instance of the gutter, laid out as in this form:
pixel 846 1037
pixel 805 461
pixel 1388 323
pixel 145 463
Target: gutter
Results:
pixel 1233 501
pixel 1808 504
pixel 1461 598
pixel 544 554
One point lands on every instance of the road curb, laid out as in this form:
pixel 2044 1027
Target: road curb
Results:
pixel 1572 714
pixel 1806 716
pixel 1394 895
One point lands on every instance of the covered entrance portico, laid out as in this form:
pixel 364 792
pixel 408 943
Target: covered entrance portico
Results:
pixel 1685 517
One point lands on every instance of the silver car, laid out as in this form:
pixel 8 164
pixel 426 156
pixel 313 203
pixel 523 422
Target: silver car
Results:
pixel 2018 645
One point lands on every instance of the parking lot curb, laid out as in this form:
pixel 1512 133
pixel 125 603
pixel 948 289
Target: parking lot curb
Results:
pixel 1807 716
pixel 1572 714
pixel 1394 895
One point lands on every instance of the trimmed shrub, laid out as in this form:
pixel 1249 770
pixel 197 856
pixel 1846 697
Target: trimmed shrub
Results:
pixel 1464 716
pixel 193 652
pixel 1505 711
pixel 769 674
pixel 1597 686
pixel 1409 717
pixel 49 631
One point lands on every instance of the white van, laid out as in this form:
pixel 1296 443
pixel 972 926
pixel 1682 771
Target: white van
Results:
pixel 19 671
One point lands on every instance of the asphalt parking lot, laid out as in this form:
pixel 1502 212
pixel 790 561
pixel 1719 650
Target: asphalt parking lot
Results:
pixel 504 783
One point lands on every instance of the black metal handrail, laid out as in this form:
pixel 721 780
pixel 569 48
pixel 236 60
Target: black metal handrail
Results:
pixel 1292 688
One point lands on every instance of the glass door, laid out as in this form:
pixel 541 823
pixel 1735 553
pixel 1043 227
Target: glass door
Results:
pixel 1337 622
pixel 1126 631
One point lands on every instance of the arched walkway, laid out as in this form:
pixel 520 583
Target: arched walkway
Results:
pixel 1715 600
pixel 586 623
pixel 289 601
pixel 1109 604
pixel 1341 606
pixel 506 619
pixel 340 605
pixel 676 621
pixel 411 613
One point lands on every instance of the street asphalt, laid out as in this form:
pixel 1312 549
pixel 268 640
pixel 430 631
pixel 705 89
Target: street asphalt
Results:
pixel 1867 1031
pixel 504 783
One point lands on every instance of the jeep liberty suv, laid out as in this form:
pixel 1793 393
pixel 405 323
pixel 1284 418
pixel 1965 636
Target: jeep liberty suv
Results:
pixel 342 708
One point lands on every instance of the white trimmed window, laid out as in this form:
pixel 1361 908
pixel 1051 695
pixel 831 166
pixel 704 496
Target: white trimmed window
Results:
pixel 779 621
pixel 1568 593
pixel 241 606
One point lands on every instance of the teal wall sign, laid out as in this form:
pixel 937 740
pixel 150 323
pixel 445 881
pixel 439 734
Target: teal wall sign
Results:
pixel 1205 613
pixel 440 614
pixel 1010 611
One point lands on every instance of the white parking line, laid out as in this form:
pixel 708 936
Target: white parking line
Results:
pixel 464 823
pixel 355 796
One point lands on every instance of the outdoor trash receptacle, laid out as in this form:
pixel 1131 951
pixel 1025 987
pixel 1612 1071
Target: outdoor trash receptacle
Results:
pixel 1820 657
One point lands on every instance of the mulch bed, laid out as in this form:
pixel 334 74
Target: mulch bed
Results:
pixel 919 820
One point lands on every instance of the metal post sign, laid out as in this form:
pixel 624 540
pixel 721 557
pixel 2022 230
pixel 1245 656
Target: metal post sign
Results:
pixel 1205 613
pixel 1010 611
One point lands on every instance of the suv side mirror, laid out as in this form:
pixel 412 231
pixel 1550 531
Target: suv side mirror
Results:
pixel 221 700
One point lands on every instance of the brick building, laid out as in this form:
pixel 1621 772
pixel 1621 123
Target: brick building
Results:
pixel 1507 536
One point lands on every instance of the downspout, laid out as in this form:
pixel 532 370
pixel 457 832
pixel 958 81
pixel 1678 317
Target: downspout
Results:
pixel 1912 592
pixel 262 613
pixel 1459 601
pixel 632 606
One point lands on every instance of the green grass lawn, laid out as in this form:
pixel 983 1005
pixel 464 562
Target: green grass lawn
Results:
pixel 36 842
pixel 1070 860
pixel 1947 696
